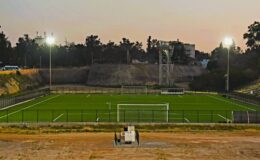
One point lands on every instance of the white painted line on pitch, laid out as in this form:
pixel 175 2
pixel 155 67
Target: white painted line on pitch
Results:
pixel 16 104
pixel 223 117
pixel 20 103
pixel 187 120
pixel 29 106
pixel 180 96
pixel 88 96
pixel 58 117
pixel 231 103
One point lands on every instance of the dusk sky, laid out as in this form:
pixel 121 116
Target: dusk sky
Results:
pixel 202 22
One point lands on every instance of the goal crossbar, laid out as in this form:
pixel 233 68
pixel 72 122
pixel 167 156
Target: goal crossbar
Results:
pixel 144 105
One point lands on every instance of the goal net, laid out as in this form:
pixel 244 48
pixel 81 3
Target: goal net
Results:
pixel 133 90
pixel 143 112
pixel 172 91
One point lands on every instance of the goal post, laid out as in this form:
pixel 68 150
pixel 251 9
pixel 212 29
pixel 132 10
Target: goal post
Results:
pixel 144 108
pixel 133 89
pixel 172 91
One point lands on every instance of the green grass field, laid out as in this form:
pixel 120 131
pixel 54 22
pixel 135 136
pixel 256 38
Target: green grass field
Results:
pixel 188 108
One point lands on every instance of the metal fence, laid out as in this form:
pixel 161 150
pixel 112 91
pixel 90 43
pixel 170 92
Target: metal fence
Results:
pixel 127 116
pixel 245 98
pixel 102 90
pixel 246 117
pixel 12 100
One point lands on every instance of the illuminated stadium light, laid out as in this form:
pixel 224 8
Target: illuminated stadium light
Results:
pixel 50 40
pixel 228 41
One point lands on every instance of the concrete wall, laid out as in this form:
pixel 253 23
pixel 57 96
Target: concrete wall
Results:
pixel 186 73
pixel 66 75
pixel 138 74
pixel 109 74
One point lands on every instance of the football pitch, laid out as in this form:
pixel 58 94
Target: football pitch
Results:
pixel 188 108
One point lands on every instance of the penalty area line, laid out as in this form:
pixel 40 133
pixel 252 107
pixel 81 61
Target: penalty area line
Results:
pixel 58 117
pixel 187 120
pixel 223 117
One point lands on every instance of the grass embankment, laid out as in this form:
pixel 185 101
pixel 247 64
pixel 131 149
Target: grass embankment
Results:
pixel 81 128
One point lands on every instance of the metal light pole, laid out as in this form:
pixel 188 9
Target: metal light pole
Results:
pixel 228 42
pixel 50 41
pixel 228 68
pixel 50 69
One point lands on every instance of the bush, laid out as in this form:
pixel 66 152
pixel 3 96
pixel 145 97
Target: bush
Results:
pixel 18 73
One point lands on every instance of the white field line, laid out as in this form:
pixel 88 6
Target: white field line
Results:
pixel 223 117
pixel 91 113
pixel 29 106
pixel 180 96
pixel 88 96
pixel 58 117
pixel 187 120
pixel 243 101
pixel 17 104
pixel 194 103
pixel 231 103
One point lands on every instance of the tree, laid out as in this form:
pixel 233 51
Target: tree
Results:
pixel 179 56
pixel 93 45
pixel 111 53
pixel 153 54
pixel 201 55
pixel 149 44
pixel 218 59
pixel 253 36
pixel 27 51
pixel 5 49
pixel 126 47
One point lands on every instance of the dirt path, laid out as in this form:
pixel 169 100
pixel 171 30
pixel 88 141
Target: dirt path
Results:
pixel 154 146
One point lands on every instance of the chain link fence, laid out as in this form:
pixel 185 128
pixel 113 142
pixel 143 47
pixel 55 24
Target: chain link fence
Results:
pixel 125 116
pixel 103 90
pixel 9 101
pixel 245 98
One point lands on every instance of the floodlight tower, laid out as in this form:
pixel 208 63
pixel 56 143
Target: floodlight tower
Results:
pixel 165 62
pixel 228 43
pixel 50 40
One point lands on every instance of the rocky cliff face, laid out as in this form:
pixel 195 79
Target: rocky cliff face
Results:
pixel 14 83
pixel 138 74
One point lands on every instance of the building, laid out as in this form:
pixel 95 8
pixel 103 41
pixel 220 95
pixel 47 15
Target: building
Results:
pixel 190 50
pixel 39 40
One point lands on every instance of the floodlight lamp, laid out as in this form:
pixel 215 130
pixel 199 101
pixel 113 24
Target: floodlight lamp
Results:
pixel 228 41
pixel 50 40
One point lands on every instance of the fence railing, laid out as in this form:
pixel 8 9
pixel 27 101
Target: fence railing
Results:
pixel 102 90
pixel 12 100
pixel 244 98
pixel 128 116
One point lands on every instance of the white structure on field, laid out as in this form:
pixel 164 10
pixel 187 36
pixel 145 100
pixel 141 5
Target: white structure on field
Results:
pixel 165 62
